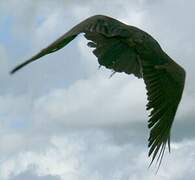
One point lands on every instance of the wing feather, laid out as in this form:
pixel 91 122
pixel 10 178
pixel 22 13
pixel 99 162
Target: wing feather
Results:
pixel 99 24
pixel 164 90
pixel 115 53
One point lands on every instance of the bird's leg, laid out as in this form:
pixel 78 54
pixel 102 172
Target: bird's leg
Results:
pixel 113 72
pixel 91 44
pixel 99 67
pixel 140 64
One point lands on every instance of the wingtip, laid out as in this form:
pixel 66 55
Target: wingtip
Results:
pixel 15 69
pixel 12 71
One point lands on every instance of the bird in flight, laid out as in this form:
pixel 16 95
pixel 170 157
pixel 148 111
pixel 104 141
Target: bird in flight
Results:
pixel 125 48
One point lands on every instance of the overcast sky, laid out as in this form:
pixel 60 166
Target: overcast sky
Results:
pixel 62 118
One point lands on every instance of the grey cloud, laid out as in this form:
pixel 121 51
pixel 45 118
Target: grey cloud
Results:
pixel 76 155
pixel 184 129
pixel 30 175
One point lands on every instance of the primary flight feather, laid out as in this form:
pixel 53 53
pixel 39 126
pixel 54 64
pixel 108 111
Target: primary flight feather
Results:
pixel 125 48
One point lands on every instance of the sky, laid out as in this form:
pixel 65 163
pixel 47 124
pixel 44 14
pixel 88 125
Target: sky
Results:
pixel 62 118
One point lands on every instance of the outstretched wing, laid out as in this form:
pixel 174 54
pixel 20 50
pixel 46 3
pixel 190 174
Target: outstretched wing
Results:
pixel 106 26
pixel 164 84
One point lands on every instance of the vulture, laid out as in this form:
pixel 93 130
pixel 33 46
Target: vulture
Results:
pixel 124 48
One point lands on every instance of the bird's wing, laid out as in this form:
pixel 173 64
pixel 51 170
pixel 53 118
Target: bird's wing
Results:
pixel 116 49
pixel 164 81
pixel 164 84
pixel 98 24
pixel 114 53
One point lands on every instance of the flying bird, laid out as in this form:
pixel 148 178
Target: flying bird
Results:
pixel 124 48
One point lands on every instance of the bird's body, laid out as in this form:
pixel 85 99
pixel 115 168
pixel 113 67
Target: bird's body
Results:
pixel 125 48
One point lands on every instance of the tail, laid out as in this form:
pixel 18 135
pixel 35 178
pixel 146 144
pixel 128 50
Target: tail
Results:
pixel 56 45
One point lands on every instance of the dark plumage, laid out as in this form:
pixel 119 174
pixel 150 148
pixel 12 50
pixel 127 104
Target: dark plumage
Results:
pixel 125 48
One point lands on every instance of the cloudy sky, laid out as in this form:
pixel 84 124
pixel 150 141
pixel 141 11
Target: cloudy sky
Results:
pixel 62 118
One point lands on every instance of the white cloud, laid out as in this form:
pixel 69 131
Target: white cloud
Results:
pixel 76 155
pixel 3 62
pixel 109 101
pixel 10 143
